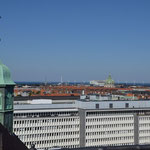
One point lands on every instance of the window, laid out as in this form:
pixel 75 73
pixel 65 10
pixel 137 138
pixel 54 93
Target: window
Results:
pixel 97 106
pixel 127 105
pixel 110 105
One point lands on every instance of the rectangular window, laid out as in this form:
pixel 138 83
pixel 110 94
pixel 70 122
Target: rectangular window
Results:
pixel 127 105
pixel 97 106
pixel 110 105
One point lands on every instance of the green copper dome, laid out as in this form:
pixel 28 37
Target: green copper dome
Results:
pixel 109 80
pixel 5 77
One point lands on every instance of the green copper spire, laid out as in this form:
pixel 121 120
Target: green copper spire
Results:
pixel 5 77
pixel 109 80
pixel 6 98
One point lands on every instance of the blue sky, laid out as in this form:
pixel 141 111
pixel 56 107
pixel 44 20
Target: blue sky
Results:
pixel 81 40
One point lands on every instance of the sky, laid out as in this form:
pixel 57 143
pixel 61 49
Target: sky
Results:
pixel 80 40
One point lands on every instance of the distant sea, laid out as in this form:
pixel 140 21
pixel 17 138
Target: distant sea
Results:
pixel 52 83
pixel 134 84
pixel 78 83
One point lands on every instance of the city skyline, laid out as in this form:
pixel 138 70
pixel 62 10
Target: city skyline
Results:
pixel 78 40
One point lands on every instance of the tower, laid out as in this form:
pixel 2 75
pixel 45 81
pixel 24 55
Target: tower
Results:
pixel 109 82
pixel 6 98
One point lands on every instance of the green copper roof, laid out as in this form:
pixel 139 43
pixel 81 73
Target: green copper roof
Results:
pixel 5 77
pixel 109 80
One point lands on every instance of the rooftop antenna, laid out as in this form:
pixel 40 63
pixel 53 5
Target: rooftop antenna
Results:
pixel 45 81
pixel 61 80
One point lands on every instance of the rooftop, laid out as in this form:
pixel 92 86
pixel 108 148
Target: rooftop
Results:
pixel 5 77
pixel 92 102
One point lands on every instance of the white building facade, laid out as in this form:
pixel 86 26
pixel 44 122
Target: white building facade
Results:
pixel 84 123
pixel 48 128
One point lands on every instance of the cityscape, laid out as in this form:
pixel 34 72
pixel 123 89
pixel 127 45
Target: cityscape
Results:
pixel 74 75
